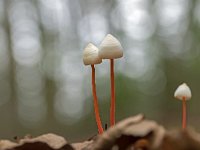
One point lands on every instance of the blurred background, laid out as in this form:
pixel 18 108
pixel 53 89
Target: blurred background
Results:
pixel 44 86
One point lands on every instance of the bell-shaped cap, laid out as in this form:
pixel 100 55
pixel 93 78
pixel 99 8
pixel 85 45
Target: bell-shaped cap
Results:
pixel 110 48
pixel 90 55
pixel 183 91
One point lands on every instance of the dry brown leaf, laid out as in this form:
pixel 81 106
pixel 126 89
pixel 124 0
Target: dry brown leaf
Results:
pixel 125 134
pixel 43 142
pixel 6 144
pixel 50 139
pixel 82 145
pixel 181 140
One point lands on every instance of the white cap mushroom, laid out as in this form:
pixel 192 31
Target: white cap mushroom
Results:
pixel 110 48
pixel 90 55
pixel 183 91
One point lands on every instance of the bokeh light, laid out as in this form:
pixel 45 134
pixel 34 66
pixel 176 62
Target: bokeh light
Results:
pixel 45 86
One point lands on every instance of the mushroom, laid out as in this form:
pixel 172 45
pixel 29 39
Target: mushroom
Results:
pixel 90 57
pixel 110 48
pixel 183 93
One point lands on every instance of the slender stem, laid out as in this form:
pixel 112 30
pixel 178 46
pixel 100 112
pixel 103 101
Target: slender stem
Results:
pixel 184 115
pixel 112 83
pixel 96 107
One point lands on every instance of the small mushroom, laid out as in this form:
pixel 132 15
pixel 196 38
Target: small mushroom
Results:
pixel 91 57
pixel 183 93
pixel 110 48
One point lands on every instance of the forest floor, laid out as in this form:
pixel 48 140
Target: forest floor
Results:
pixel 134 133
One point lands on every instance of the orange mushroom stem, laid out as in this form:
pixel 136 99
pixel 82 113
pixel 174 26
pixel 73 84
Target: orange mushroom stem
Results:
pixel 184 114
pixel 112 83
pixel 96 107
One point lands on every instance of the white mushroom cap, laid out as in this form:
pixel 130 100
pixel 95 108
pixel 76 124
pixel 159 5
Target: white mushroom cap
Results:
pixel 183 91
pixel 110 48
pixel 90 55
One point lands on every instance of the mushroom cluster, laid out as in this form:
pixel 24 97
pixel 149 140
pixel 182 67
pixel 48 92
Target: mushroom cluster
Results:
pixel 111 49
